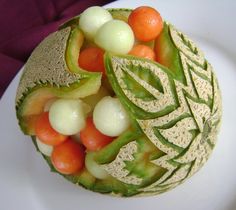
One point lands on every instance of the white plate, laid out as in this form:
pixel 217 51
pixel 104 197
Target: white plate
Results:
pixel 25 180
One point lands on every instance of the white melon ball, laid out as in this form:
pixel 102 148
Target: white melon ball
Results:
pixel 92 19
pixel 44 148
pixel 109 117
pixel 115 36
pixel 67 116
pixel 95 169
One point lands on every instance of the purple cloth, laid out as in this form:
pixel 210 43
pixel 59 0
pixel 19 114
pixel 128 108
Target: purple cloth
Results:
pixel 25 23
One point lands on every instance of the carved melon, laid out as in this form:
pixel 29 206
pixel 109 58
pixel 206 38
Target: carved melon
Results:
pixel 174 106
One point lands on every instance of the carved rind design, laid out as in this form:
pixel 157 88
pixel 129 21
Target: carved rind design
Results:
pixel 179 39
pixel 117 167
pixel 189 141
pixel 162 100
pixel 179 134
pixel 52 68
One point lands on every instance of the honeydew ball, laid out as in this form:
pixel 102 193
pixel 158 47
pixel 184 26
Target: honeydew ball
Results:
pixel 115 36
pixel 67 116
pixel 94 168
pixel 109 117
pixel 44 148
pixel 92 19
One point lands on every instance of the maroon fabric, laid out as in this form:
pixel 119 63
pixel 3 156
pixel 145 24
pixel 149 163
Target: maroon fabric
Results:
pixel 25 23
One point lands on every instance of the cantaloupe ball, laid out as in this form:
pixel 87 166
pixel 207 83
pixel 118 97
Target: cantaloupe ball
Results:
pixel 92 19
pixel 109 117
pixel 67 116
pixel 115 36
pixel 44 148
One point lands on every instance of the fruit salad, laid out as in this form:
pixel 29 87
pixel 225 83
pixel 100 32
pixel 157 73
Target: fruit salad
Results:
pixel 120 102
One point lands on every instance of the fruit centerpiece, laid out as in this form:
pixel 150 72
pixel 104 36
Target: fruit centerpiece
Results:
pixel 120 102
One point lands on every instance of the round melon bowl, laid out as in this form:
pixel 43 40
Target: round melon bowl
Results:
pixel 136 126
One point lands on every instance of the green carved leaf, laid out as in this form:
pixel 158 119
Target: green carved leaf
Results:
pixel 134 87
pixel 142 166
pixel 146 88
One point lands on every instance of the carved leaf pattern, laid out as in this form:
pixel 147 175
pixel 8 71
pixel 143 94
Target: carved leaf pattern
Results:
pixel 183 119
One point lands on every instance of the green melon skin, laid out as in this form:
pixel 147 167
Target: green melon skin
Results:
pixel 174 106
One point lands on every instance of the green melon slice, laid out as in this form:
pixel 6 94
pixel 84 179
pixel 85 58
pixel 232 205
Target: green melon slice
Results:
pixel 174 106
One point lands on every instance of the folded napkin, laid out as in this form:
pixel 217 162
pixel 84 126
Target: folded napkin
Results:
pixel 25 23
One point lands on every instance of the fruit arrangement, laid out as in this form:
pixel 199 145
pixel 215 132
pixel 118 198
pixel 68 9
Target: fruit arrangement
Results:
pixel 120 102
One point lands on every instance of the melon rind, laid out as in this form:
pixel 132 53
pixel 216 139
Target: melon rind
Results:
pixel 175 112
pixel 186 133
pixel 48 74
pixel 47 64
